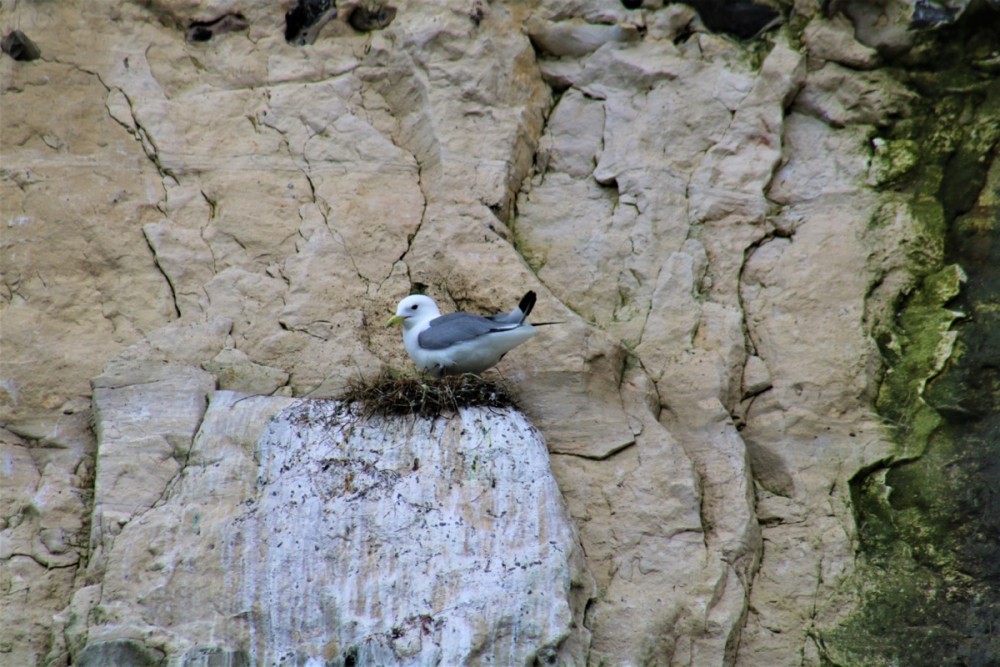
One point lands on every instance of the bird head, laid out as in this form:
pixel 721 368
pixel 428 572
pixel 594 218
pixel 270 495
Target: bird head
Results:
pixel 413 309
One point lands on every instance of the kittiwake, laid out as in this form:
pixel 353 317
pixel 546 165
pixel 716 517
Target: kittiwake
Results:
pixel 459 343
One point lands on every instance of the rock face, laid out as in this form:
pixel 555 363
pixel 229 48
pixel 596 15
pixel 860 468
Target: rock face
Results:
pixel 301 533
pixel 214 222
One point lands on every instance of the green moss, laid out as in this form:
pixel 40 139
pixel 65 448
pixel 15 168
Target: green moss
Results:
pixel 928 519
pixel 918 344
pixel 928 527
pixel 892 160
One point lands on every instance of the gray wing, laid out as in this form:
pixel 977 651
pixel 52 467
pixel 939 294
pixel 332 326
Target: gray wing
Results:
pixel 455 328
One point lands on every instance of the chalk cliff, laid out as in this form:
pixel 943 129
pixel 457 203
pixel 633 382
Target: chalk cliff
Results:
pixel 755 245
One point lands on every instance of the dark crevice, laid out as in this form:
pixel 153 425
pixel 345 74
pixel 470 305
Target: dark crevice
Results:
pixel 166 277
pixel 202 31
pixel 604 457
pixel 304 21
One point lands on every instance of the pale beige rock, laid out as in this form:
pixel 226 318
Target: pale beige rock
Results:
pixel 573 141
pixel 246 212
pixel 640 219
pixel 735 170
pixel 833 39
pixel 235 372
pixel 585 416
pixel 817 162
pixel 146 419
pixel 72 624
pixel 183 542
pixel 42 508
pixel 816 407
pixel 652 576
pixel 576 37
pixel 31 594
pixel 840 96
pixel 674 311
pixel 73 279
pixel 756 376
pixel 593 11
pixel 669 21
pixel 695 351
pixel 76 288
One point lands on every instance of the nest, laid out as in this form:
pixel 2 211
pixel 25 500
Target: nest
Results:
pixel 392 394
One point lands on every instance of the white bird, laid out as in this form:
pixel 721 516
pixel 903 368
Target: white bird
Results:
pixel 460 342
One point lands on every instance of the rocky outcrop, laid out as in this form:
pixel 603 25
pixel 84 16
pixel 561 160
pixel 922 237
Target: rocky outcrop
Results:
pixel 301 531
pixel 215 221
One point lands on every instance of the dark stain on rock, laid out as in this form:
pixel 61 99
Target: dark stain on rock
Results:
pixel 19 46
pixel 374 17
pixel 744 19
pixel 304 21
pixel 202 31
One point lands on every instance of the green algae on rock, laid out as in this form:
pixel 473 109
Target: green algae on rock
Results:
pixel 928 520
pixel 917 348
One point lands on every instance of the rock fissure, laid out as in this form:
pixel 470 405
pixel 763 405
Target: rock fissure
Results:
pixel 43 562
pixel 404 138
pixel 166 277
pixel 412 236
pixel 144 138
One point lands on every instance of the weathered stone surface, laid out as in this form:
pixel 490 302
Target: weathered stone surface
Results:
pixel 74 276
pixel 141 448
pixel 811 412
pixel 840 96
pixel 714 223
pixel 892 26
pixel 450 542
pixel 407 542
pixel 669 21
pixel 236 372
pixel 617 203
pixel 833 39
pixel 576 37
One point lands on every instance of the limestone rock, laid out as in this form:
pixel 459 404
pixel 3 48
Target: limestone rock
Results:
pixel 141 453
pixel 35 572
pixel 411 542
pixel 669 21
pixel 418 517
pixel 68 276
pixel 236 372
pixel 843 97
pixel 892 26
pixel 776 431
pixel 714 224
pixel 756 377
pixel 576 37
pixel 833 40
pixel 817 162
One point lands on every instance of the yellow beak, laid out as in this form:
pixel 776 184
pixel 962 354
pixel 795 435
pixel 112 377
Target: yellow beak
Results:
pixel 394 320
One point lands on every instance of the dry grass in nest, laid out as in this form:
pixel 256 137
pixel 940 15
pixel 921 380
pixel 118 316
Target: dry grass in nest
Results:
pixel 393 394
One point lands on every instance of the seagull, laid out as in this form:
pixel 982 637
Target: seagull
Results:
pixel 459 343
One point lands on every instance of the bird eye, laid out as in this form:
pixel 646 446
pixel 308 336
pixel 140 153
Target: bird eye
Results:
pixel 413 307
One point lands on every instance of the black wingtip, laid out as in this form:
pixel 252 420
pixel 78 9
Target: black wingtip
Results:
pixel 527 303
